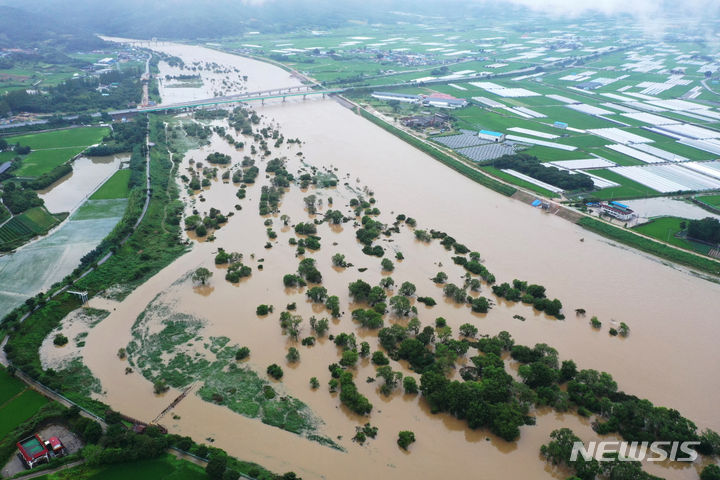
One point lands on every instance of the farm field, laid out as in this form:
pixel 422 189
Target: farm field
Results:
pixel 683 150
pixel 474 118
pixel 547 154
pixel 73 137
pixel 603 89
pixel 42 161
pixel 712 200
pixel 666 229
pixel 23 77
pixel 588 144
pixel 614 156
pixel 164 468
pixel 100 208
pixel 35 221
pixel 58 253
pixel 7 156
pixel 51 149
pixel 18 408
pixel 115 187
pixel 627 188
pixel 11 386
pixel 4 213
pixel 26 71
pixel 518 181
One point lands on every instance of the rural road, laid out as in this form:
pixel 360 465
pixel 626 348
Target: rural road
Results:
pixel 48 472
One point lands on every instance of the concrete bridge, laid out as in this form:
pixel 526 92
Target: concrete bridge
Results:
pixel 285 92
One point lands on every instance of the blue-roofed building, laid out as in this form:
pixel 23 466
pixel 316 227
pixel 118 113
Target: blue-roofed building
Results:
pixel 5 167
pixel 491 136
pixel 617 210
pixel 561 125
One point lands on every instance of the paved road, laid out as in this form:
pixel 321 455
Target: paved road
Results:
pixel 704 83
pixel 2 205
pixel 146 82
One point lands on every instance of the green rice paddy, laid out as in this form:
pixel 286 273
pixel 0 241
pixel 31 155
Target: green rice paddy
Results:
pixel 35 221
pixel 42 161
pixel 518 181
pixel 167 467
pixel 667 229
pixel 11 386
pixel 17 402
pixel 627 188
pixel 712 200
pixel 115 187
pixel 50 149
pixel 73 137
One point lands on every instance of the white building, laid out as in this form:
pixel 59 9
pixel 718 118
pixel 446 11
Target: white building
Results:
pixel 441 102
pixel 400 97
pixel 617 210
pixel 491 136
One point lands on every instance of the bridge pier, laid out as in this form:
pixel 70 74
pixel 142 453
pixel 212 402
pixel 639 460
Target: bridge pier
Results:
pixel 304 97
pixel 283 98
pixel 83 296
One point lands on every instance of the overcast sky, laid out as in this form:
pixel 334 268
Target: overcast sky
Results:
pixel 644 8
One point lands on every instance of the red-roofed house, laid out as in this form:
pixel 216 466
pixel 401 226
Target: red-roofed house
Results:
pixel 33 451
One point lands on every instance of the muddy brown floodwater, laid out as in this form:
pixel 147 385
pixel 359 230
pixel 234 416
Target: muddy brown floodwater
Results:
pixel 669 357
pixel 88 174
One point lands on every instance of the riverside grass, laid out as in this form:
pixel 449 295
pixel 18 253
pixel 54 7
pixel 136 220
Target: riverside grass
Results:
pixel 666 252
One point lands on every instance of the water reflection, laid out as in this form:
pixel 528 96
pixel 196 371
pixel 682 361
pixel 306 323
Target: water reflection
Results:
pixel 70 191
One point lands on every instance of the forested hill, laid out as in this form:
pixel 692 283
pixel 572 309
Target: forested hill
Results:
pixel 24 29
pixel 199 19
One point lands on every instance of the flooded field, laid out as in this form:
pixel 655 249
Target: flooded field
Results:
pixel 36 266
pixel 656 207
pixel 88 174
pixel 667 309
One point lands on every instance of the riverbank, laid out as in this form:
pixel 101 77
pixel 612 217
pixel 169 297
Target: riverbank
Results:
pixel 627 237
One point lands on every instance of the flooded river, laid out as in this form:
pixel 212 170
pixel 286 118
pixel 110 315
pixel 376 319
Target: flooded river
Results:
pixel 221 73
pixel 672 313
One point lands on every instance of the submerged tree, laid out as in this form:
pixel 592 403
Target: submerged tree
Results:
pixel 201 275
pixel 405 438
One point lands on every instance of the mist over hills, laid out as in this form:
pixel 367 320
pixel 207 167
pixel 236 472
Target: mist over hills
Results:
pixel 22 29
pixel 208 19
pixel 67 22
